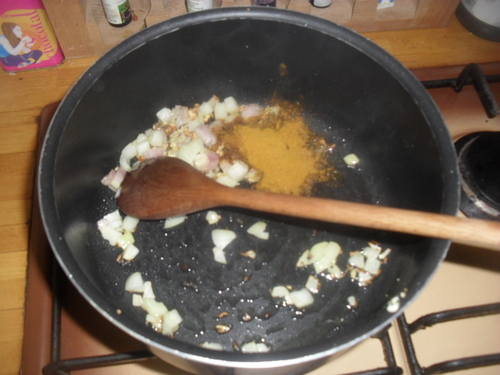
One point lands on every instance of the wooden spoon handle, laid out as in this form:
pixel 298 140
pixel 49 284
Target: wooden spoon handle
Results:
pixel 475 232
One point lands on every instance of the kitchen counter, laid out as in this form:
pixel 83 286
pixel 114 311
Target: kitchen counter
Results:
pixel 24 94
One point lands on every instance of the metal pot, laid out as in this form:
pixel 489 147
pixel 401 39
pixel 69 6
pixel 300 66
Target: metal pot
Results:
pixel 354 94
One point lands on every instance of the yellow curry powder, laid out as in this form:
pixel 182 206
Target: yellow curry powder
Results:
pixel 282 148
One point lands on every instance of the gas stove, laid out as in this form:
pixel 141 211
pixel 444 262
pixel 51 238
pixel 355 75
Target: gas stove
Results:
pixel 452 326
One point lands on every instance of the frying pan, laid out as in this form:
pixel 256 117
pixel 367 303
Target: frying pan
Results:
pixel 353 93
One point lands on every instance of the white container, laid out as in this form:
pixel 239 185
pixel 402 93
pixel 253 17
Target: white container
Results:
pixel 197 5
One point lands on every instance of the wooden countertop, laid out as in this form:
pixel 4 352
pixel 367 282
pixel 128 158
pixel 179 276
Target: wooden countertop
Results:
pixel 24 94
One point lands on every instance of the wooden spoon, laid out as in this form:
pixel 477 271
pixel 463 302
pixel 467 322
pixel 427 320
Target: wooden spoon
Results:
pixel 168 187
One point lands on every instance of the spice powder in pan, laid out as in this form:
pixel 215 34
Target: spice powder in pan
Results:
pixel 281 147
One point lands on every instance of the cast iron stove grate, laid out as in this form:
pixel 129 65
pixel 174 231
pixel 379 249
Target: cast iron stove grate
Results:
pixel 471 75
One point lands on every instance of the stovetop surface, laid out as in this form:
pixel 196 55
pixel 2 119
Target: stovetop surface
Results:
pixel 468 277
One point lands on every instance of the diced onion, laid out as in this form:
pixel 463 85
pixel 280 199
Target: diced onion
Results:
pixel 164 115
pixel 219 255
pixel 211 345
pixel 136 300
pixel 130 252
pixel 220 111
pixel 130 223
pixel 112 220
pixel 393 304
pixel 225 180
pixel 351 160
pixel 134 283
pixel 304 260
pixel 282 292
pixel 357 260
pixel 258 230
pixel 212 217
pixel 153 307
pixel 110 234
pixel 301 298
pixel 171 322
pixel 190 150
pixel 249 254
pixel 313 284
pixel 148 291
pixel 126 239
pixel 324 255
pixel 173 221
pixel 128 152
pixel 253 347
pixel 231 105
pixel 222 237
pixel 157 138
pixel 237 171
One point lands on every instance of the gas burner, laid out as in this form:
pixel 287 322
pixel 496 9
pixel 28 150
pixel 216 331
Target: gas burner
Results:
pixel 479 165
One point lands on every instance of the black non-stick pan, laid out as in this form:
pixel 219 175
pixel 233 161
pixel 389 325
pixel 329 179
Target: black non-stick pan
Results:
pixel 353 93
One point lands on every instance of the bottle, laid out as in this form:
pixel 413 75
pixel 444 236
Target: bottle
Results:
pixel 264 3
pixel 320 3
pixel 28 40
pixel 197 5
pixel 118 12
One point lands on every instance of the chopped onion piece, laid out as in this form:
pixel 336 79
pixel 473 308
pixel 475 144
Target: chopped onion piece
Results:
pixel 130 223
pixel 136 300
pixel 206 161
pixel 357 260
pixel 253 347
pixel 335 272
pixel 301 298
pixel 304 260
pixel 258 230
pixel 164 115
pixel 112 220
pixel 364 277
pixel 251 110
pixel 372 266
pixel 128 152
pixel 211 345
pixel 222 237
pixel 110 234
pixel 156 321
pixel 313 284
pixel 130 252
pixel 352 301
pixel 212 217
pixel 142 147
pixel 126 239
pixel 371 253
pixel 224 179
pixel 282 292
pixel 148 291
pixel 393 304
pixel 237 171
pixel 220 111
pixel 324 254
pixel 171 322
pixel 351 160
pixel 219 255
pixel 157 138
pixel 190 150
pixel 153 307
pixel 249 254
pixel 173 221
pixel 134 283
pixel 231 105
pixel 206 134
pixel 118 178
